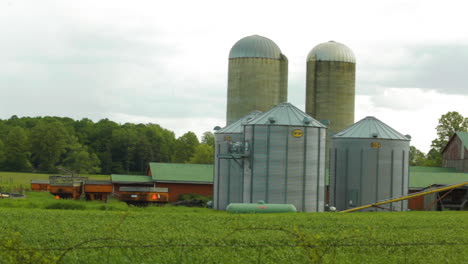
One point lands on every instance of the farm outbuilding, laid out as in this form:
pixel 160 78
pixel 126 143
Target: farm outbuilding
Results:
pixel 121 180
pixel 143 195
pixel 40 185
pixel 66 187
pixel 455 153
pixel 97 189
pixel 182 178
pixel 425 178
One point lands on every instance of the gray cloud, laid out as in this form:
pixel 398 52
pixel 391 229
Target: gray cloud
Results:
pixel 437 67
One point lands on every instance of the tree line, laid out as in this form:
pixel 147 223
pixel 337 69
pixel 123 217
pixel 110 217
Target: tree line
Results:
pixel 51 144
pixel 47 144
pixel 449 124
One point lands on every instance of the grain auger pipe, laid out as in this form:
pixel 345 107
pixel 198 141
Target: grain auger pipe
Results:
pixel 392 200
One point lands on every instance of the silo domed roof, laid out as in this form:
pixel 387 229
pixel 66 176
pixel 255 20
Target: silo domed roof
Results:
pixel 255 46
pixel 371 127
pixel 331 51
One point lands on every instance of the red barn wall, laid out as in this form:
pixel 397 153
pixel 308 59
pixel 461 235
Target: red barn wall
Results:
pixel 176 189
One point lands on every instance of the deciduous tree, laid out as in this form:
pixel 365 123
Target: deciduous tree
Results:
pixel 17 150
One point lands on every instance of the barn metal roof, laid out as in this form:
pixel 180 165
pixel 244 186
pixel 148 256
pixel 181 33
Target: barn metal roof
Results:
pixel 370 127
pixel 285 114
pixel 236 127
pixel 40 181
pixel 120 178
pixel 181 173
pixel 426 176
pixel 331 51
pixel 463 136
pixel 255 46
pixel 142 189
pixel 98 182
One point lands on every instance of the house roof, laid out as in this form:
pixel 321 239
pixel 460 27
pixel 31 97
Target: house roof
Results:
pixel 181 173
pixel 426 176
pixel 120 178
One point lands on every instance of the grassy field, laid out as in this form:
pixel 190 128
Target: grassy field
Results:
pixel 33 230
pixel 21 181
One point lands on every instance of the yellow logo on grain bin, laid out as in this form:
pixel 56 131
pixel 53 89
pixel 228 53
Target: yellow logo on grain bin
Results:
pixel 297 133
pixel 375 144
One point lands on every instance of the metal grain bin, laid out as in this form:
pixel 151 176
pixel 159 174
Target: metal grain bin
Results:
pixel 229 164
pixel 285 159
pixel 369 162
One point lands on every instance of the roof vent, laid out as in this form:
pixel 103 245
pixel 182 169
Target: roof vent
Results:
pixel 375 135
pixel 408 136
pixel 306 120
pixel 271 120
pixel 216 128
pixel 325 122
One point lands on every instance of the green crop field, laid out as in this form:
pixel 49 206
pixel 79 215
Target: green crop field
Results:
pixel 33 230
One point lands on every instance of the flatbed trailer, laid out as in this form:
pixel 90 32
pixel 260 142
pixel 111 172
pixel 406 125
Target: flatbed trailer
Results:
pixel 413 195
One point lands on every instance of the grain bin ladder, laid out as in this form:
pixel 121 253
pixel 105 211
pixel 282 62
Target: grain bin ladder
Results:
pixel 444 188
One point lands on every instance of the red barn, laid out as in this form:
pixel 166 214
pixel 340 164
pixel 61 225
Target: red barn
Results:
pixel 182 178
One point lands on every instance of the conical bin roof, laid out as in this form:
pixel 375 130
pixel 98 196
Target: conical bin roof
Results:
pixel 371 127
pixel 286 114
pixel 236 127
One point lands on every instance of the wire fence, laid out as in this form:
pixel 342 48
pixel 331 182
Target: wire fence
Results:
pixel 299 249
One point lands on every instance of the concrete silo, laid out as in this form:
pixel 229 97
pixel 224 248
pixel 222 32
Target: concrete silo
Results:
pixel 330 85
pixel 229 164
pixel 369 162
pixel 257 77
pixel 285 159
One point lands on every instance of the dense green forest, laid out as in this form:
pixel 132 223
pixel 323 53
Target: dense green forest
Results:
pixel 54 144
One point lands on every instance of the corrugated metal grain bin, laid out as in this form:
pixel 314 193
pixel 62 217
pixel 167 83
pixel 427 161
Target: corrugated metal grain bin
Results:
pixel 285 159
pixel 229 168
pixel 369 162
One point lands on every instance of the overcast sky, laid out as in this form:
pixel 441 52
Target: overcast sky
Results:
pixel 165 62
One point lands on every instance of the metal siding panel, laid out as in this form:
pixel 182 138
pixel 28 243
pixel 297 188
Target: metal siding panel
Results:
pixel 295 170
pixel 340 179
pixel 312 192
pixel 277 166
pixel 354 175
pixel 322 169
pixel 397 177
pixel 370 164
pixel 215 178
pixel 223 184
pixel 235 181
pixel 332 175
pixel 247 174
pixel 405 147
pixel 385 162
pixel 260 163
